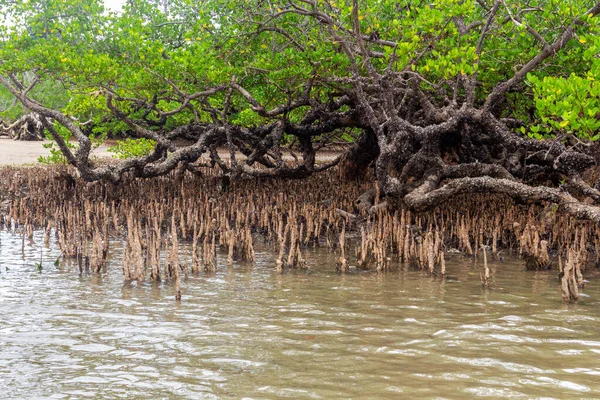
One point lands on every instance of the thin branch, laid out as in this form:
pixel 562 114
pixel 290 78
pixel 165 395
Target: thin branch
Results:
pixel 547 52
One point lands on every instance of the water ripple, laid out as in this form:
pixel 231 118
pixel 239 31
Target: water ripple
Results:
pixel 246 332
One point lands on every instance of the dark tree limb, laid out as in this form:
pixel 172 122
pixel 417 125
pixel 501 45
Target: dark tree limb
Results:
pixel 425 199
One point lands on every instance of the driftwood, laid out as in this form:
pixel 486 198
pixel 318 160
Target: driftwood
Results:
pixel 28 127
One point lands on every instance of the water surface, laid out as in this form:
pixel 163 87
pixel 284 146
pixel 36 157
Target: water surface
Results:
pixel 247 332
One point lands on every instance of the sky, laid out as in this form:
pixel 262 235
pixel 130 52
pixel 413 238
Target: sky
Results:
pixel 114 4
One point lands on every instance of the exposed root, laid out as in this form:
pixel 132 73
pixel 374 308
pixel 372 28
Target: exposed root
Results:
pixel 155 217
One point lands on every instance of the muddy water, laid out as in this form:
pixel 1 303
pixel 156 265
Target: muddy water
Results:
pixel 246 332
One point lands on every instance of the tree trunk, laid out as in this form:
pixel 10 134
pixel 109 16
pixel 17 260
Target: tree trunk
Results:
pixel 361 155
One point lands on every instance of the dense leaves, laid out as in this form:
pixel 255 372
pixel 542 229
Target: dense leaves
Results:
pixel 150 56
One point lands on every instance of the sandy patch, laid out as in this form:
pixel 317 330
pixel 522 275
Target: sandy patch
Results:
pixel 15 152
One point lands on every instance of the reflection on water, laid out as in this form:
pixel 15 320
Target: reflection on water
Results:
pixel 248 332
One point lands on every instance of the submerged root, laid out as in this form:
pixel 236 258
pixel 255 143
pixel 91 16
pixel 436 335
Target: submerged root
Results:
pixel 569 287
pixel 485 276
pixel 342 265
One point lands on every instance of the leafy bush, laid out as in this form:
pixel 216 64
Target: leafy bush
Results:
pixel 56 156
pixel 569 105
pixel 132 148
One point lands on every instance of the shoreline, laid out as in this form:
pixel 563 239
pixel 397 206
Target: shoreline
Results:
pixel 19 152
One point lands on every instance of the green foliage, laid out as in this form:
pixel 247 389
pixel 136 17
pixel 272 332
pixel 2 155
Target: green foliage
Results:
pixel 56 156
pixel 49 93
pixel 571 104
pixel 568 105
pixel 132 148
pixel 79 51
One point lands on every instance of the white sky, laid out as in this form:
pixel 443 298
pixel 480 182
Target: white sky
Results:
pixel 114 4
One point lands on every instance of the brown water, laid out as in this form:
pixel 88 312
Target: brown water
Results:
pixel 246 332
